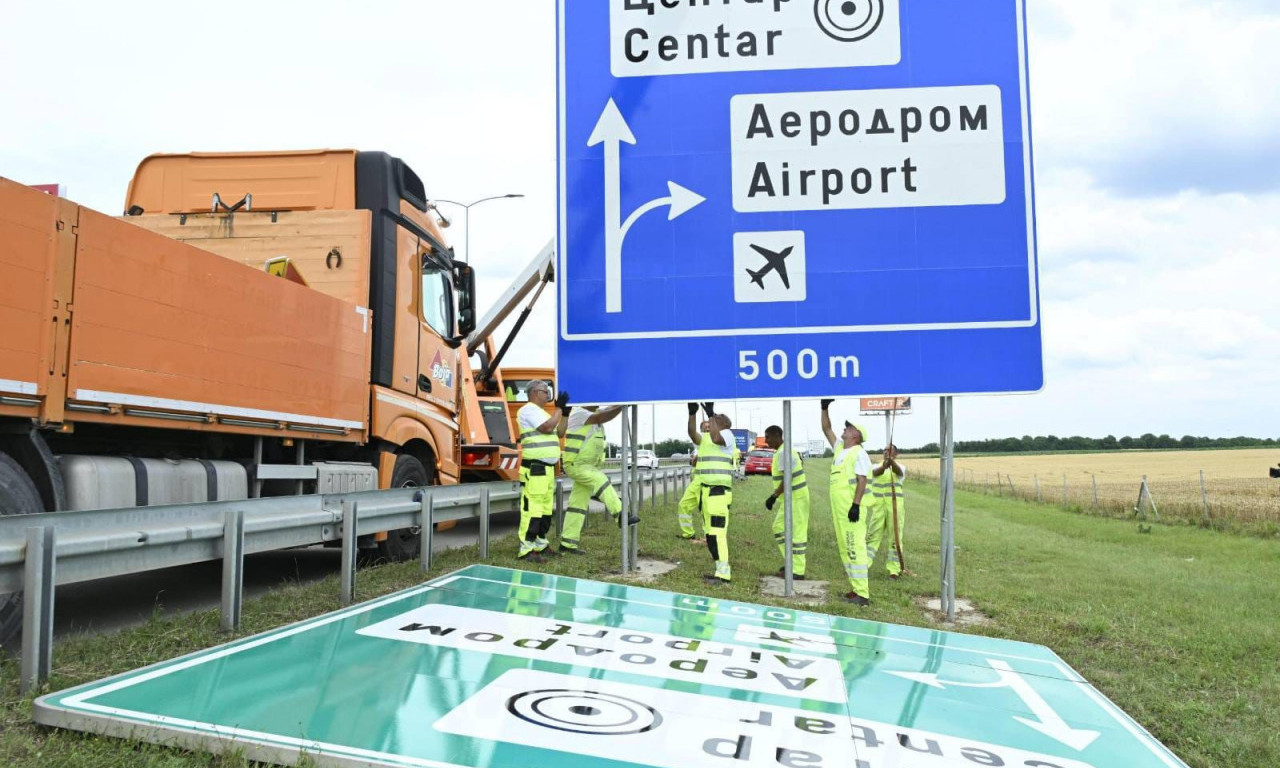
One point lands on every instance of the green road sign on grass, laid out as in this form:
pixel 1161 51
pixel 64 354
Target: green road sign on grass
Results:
pixel 494 668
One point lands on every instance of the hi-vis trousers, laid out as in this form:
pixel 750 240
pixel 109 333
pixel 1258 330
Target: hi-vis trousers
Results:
pixel 716 500
pixel 588 483
pixel 851 538
pixel 799 528
pixel 537 504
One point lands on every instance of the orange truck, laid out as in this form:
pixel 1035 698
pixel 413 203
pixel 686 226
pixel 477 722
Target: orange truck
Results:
pixel 256 324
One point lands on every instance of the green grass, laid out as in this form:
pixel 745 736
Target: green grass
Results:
pixel 1177 626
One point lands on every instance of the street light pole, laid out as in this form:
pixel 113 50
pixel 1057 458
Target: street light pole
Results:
pixel 466 217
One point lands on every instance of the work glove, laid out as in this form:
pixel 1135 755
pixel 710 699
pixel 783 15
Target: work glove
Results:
pixel 562 400
pixel 693 409
pixel 710 408
pixel 827 403
pixel 855 512
pixel 769 502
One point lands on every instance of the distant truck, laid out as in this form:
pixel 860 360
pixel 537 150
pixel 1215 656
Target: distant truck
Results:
pixel 152 359
pixel 745 439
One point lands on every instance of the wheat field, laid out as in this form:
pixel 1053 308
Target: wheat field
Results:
pixel 1236 491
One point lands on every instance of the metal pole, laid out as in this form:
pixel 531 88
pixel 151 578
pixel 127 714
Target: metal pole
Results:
pixel 560 506
pixel 301 461
pixel 484 523
pixel 947 502
pixel 350 513
pixel 427 514
pixel 232 569
pixel 636 489
pixel 626 495
pixel 257 462
pixel 37 607
pixel 1204 496
pixel 786 498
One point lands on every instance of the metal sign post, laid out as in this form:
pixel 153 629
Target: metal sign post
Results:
pixel 626 495
pixel 946 494
pixel 719 161
pixel 637 490
pixel 786 495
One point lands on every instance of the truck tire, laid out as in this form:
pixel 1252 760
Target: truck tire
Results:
pixel 18 496
pixel 403 544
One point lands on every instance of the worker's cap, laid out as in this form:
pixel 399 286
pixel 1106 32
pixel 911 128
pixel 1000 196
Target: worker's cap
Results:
pixel 865 435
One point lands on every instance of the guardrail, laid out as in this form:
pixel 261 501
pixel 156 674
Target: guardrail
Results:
pixel 42 551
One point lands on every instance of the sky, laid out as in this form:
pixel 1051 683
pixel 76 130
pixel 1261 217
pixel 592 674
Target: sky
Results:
pixel 1156 128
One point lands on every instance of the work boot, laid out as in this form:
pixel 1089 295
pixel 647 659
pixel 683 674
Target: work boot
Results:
pixel 572 551
pixel 632 519
pixel 856 599
pixel 532 557
pixel 711 578
pixel 549 552
pixel 782 574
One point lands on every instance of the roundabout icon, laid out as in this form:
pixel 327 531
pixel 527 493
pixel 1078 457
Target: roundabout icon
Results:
pixel 849 20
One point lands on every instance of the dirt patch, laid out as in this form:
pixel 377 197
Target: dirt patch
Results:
pixel 647 571
pixel 967 614
pixel 806 592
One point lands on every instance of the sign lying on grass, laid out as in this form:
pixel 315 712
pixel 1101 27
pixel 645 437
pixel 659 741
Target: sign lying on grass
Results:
pixel 492 667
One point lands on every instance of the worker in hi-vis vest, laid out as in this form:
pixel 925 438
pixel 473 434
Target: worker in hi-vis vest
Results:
pixel 539 454
pixel 799 504
pixel 888 512
pixel 850 467
pixel 713 474
pixel 584 446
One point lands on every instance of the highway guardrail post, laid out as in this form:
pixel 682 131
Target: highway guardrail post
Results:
pixel 427 516
pixel 232 569
pixel 350 514
pixel 37 607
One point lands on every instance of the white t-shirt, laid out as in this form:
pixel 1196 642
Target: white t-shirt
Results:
pixel 861 465
pixel 530 417
pixel 578 418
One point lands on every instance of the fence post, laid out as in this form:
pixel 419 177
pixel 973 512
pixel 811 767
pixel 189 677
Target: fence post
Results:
pixel 1036 478
pixel 986 482
pixel 1204 496
pixel 38 586
pixel 999 485
pixel 232 569
pixel 1064 490
pixel 1009 478
pixel 1095 491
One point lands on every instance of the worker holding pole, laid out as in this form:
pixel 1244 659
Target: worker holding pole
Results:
pixel 849 470
pixel 584 445
pixel 773 437
pixel 539 454
pixel 888 511
pixel 713 474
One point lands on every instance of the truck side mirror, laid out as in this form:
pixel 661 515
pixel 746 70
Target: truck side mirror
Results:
pixel 464 279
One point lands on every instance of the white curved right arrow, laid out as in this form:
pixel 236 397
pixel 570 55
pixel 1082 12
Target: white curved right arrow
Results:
pixel 1046 721
pixel 612 130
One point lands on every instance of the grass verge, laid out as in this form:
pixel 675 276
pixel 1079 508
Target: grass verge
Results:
pixel 1177 626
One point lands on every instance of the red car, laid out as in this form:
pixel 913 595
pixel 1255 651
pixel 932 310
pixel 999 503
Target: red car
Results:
pixel 759 462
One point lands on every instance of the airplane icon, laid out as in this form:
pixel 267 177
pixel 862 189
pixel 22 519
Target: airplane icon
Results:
pixel 777 262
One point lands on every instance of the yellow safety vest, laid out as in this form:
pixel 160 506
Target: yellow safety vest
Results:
pixel 715 462
pixel 843 473
pixel 535 446
pixel 798 481
pixel 581 446
pixel 884 486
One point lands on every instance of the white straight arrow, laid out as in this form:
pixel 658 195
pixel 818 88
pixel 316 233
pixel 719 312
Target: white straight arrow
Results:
pixel 612 130
pixel 1047 721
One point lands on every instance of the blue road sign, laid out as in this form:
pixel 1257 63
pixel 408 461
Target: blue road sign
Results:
pixel 795 198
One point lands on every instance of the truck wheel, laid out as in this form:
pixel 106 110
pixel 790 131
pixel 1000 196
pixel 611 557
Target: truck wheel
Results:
pixel 18 496
pixel 403 544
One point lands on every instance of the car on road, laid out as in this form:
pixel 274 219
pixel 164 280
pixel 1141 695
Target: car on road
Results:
pixel 645 460
pixel 759 462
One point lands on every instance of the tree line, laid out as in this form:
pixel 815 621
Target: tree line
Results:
pixel 1050 443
